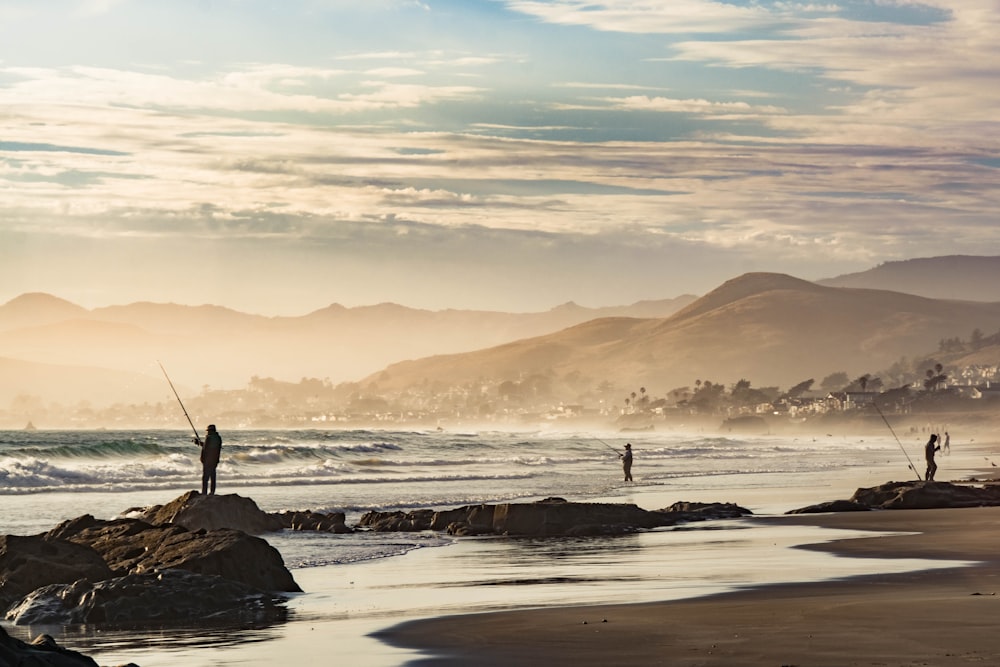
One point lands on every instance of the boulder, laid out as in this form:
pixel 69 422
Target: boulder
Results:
pixel 913 494
pixel 29 562
pixel 166 596
pixel 415 520
pixel 195 511
pixel 687 511
pixel 832 506
pixel 555 516
pixel 43 652
pixel 133 546
pixel 332 522
pixel 926 495
pixel 551 516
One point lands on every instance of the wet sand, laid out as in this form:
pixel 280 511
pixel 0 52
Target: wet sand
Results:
pixel 940 617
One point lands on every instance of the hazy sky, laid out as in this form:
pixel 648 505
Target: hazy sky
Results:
pixel 276 157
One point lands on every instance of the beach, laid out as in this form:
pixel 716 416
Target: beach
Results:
pixel 732 592
pixel 938 617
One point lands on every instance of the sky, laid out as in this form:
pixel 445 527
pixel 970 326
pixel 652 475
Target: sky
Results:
pixel 277 157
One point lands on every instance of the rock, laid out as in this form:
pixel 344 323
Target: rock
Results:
pixel 195 511
pixel 551 516
pixel 167 596
pixel 832 506
pixel 926 495
pixel 133 546
pixel 686 511
pixel 43 652
pixel 29 562
pixel 913 494
pixel 415 520
pixel 558 517
pixel 333 522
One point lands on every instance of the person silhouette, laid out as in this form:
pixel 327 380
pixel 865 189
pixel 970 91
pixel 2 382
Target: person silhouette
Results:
pixel 627 462
pixel 211 451
pixel 929 450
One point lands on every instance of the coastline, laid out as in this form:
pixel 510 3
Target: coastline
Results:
pixel 939 617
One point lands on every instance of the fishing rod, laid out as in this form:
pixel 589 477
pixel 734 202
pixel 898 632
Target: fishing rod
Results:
pixel 183 409
pixel 606 445
pixel 897 440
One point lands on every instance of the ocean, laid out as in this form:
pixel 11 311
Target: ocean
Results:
pixel 356 584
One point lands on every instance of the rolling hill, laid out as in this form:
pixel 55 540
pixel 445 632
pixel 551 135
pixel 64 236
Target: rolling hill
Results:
pixel 962 277
pixel 772 329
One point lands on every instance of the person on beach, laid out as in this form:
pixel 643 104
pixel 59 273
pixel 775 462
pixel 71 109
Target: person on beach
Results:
pixel 946 449
pixel 929 450
pixel 211 450
pixel 627 461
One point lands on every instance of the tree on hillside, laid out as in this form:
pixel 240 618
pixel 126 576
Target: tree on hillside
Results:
pixel 835 381
pixel 800 388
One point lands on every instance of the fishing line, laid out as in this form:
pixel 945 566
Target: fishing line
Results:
pixel 919 478
pixel 183 409
pixel 606 445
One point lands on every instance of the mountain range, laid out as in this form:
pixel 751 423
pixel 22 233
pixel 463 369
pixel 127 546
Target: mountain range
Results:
pixel 118 347
pixel 769 328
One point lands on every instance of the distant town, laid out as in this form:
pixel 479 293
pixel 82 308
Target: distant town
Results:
pixel 972 391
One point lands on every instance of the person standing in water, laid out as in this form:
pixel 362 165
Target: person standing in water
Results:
pixel 627 462
pixel 929 450
pixel 211 450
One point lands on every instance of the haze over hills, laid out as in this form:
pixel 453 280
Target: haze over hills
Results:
pixel 771 329
pixel 768 328
pixel 964 277
pixel 223 348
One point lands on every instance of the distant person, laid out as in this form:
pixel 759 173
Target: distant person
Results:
pixel 946 449
pixel 627 462
pixel 211 450
pixel 929 450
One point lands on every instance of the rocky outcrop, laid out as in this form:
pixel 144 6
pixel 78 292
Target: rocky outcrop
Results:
pixel 195 511
pixel 323 522
pixel 43 652
pixel 29 562
pixel 131 546
pixel 914 494
pixel 549 517
pixel 148 597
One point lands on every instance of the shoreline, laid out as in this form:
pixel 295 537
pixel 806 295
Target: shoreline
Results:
pixel 939 616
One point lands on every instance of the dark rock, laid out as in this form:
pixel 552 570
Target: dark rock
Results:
pixel 29 562
pixel 43 652
pixel 333 522
pixel 913 494
pixel 167 596
pixel 926 495
pixel 195 511
pixel 687 511
pixel 551 516
pixel 832 506
pixel 558 517
pixel 131 546
pixel 415 520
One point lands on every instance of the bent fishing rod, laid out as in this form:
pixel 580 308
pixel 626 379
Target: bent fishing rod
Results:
pixel 919 478
pixel 197 438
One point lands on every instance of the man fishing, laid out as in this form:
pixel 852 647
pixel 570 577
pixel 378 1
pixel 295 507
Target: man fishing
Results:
pixel 627 462
pixel 211 450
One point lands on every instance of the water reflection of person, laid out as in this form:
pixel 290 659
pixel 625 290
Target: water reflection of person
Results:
pixel 929 450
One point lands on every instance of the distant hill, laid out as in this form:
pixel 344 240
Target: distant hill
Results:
pixel 771 329
pixel 223 348
pixel 963 277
